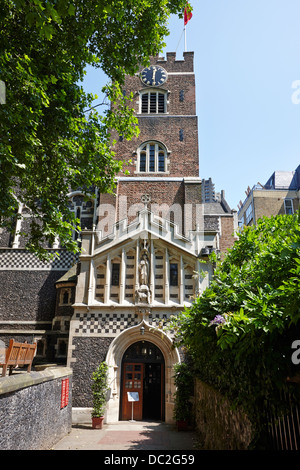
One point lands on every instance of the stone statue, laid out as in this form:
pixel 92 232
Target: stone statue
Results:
pixel 144 270
pixel 143 294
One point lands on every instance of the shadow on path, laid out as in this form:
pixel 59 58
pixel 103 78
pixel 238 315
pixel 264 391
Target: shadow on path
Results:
pixel 126 435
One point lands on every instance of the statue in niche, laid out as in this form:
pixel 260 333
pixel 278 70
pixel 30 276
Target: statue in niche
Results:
pixel 144 270
pixel 142 294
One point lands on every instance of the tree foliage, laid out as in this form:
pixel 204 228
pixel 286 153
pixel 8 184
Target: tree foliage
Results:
pixel 49 144
pixel 241 330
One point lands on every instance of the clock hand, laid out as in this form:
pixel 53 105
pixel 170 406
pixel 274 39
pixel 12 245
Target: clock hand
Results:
pixel 153 76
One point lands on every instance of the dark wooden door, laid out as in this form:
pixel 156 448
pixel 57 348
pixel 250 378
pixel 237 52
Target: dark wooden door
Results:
pixel 152 392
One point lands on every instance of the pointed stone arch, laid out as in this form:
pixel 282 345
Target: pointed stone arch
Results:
pixel 114 360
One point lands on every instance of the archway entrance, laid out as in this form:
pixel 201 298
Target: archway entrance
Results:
pixel 142 380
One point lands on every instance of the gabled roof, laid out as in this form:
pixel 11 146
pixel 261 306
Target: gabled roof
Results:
pixel 147 225
pixel 216 208
pixel 69 276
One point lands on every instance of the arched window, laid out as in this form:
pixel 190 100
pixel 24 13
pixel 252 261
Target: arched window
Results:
pixel 153 102
pixel 152 158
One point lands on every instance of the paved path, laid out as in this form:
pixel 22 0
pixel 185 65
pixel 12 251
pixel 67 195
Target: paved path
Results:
pixel 126 435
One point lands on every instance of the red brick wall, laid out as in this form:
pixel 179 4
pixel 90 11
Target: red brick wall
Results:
pixel 164 192
pixel 227 233
pixel 183 156
pixel 178 201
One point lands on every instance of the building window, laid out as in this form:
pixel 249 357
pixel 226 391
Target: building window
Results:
pixel 173 274
pixel 153 102
pixel 41 348
pixel 61 347
pixel 152 158
pixel 288 206
pixel 115 274
pixel 249 214
pixel 65 297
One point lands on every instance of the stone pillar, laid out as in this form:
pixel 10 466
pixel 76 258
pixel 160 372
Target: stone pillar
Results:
pixel 107 280
pixel 152 272
pixel 181 281
pixel 137 265
pixel 167 290
pixel 122 276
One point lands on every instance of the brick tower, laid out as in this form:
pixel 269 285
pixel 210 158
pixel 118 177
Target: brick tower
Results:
pixel 163 168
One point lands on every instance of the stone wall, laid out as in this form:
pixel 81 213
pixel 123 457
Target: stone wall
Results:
pixel 28 295
pixel 87 354
pixel 32 415
pixel 219 427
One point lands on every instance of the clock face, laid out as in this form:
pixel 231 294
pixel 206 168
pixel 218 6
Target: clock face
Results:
pixel 154 76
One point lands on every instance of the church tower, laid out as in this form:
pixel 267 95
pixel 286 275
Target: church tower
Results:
pixel 163 161
pixel 139 263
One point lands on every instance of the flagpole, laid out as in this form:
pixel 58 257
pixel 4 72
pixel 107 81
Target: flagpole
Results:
pixel 187 15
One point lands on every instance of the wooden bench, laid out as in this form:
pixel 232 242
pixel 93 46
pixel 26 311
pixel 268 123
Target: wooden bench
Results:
pixel 18 354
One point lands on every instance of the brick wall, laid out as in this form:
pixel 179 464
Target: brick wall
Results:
pixel 167 200
pixel 270 202
pixel 227 233
pixel 182 155
pixel 272 205
pixel 194 213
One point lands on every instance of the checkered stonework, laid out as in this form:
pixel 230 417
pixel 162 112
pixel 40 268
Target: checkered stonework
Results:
pixel 24 260
pixel 111 323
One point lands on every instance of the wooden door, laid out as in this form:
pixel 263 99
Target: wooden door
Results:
pixel 152 394
pixel 132 382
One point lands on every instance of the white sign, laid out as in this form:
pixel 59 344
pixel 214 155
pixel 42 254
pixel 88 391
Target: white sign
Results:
pixel 133 396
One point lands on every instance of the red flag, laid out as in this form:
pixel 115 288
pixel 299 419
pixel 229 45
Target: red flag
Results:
pixel 187 14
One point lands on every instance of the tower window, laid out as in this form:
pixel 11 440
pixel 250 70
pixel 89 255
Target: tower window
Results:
pixel 152 158
pixel 153 102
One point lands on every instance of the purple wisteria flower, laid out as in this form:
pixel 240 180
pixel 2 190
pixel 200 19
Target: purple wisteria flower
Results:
pixel 218 320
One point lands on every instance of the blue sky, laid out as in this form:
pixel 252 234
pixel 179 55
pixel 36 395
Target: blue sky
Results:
pixel 247 59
